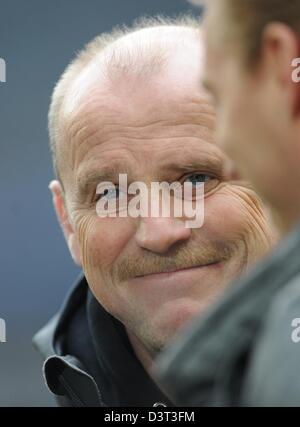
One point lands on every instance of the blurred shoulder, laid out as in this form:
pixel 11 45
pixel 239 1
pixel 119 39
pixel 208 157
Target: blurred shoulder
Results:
pixel 273 377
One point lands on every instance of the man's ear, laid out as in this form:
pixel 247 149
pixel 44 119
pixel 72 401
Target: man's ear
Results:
pixel 281 46
pixel 63 218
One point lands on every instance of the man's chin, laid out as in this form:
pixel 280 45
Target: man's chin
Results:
pixel 175 317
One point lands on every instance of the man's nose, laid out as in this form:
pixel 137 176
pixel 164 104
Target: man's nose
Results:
pixel 160 234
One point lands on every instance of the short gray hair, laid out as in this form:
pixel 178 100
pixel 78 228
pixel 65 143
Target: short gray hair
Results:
pixel 89 52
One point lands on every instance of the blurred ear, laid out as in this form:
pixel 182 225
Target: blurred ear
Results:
pixel 63 218
pixel 280 48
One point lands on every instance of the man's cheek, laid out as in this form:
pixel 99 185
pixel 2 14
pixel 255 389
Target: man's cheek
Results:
pixel 229 216
pixel 85 230
pixel 223 214
pixel 101 242
pixel 252 222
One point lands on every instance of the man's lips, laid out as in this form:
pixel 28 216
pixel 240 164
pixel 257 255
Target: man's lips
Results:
pixel 168 272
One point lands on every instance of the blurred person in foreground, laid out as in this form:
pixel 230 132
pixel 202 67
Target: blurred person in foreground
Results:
pixel 246 350
pixel 130 103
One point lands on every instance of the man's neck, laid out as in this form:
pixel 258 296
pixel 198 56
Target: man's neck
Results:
pixel 145 356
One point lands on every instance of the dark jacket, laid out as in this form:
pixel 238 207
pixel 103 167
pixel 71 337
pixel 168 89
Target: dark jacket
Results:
pixel 89 360
pixel 243 352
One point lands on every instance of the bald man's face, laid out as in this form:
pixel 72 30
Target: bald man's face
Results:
pixel 154 274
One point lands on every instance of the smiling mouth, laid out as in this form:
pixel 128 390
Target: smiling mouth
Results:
pixel 178 270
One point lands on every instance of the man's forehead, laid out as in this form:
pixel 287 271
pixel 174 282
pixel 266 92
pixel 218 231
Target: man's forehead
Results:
pixel 145 149
pixel 140 123
pixel 102 124
pixel 168 57
pixel 94 111
pixel 135 113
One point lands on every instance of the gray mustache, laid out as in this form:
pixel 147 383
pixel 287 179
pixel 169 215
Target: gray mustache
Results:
pixel 134 266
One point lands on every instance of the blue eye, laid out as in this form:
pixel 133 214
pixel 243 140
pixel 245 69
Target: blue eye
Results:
pixel 198 178
pixel 110 199
pixel 112 193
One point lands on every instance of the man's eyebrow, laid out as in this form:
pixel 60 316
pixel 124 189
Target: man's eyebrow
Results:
pixel 91 178
pixel 208 163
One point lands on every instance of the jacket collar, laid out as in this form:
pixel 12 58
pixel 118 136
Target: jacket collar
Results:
pixel 111 374
pixel 64 374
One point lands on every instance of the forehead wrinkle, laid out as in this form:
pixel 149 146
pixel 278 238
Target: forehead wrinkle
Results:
pixel 94 138
pixel 82 129
pixel 81 135
pixel 111 105
pixel 89 122
pixel 158 127
pixel 194 146
pixel 191 160
pixel 100 88
pixel 83 113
